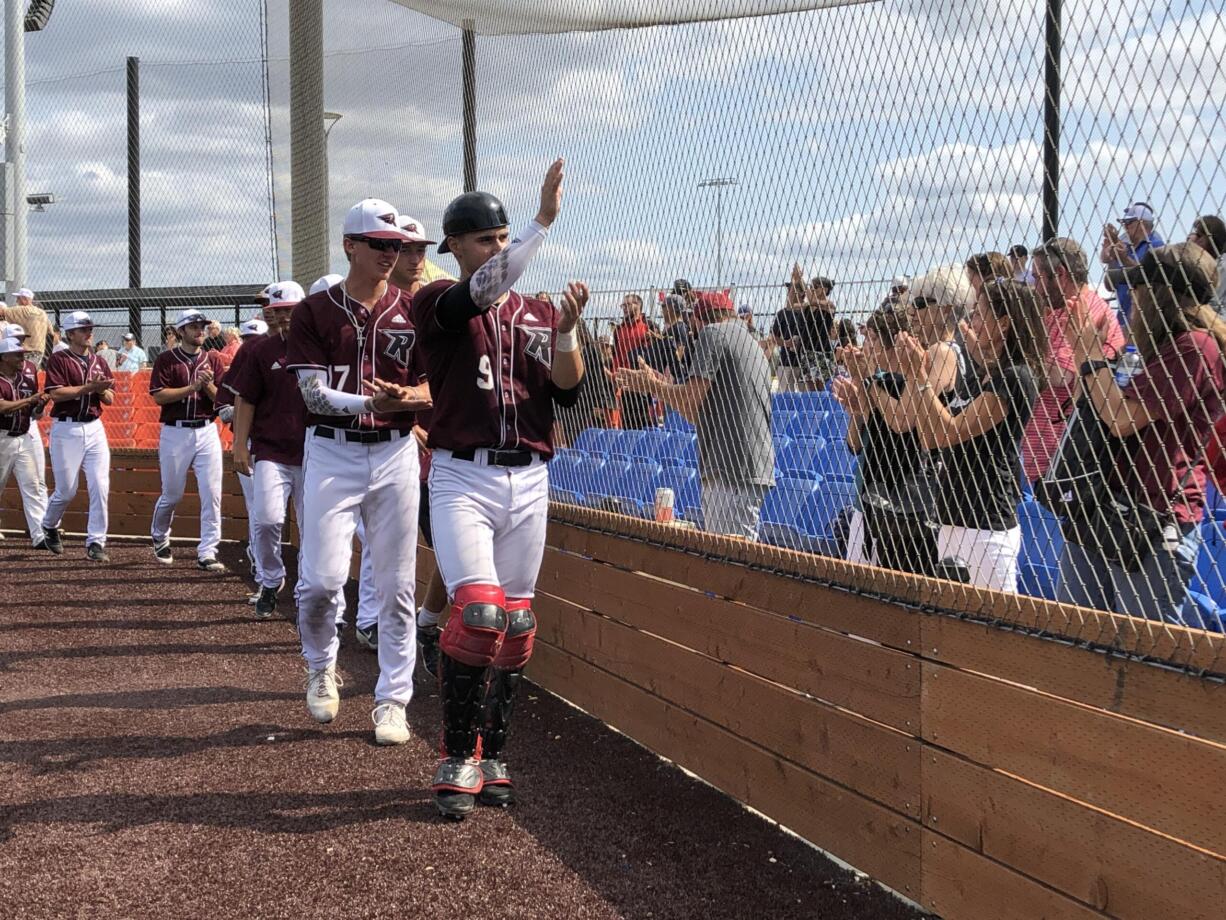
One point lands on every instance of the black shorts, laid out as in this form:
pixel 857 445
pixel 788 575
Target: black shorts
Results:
pixel 423 515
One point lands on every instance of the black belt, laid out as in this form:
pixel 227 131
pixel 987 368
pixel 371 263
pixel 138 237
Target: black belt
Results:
pixel 188 423
pixel 79 421
pixel 498 457
pixel 18 434
pixel 350 436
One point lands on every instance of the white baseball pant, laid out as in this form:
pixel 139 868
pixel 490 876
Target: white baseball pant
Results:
pixel 247 485
pixel 488 522
pixel 368 595
pixel 199 449
pixel 76 446
pixel 24 457
pixel 276 484
pixel 377 484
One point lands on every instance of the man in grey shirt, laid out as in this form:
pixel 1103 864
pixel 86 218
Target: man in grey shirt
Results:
pixel 728 399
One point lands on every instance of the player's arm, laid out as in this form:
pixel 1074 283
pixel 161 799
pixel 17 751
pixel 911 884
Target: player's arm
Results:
pixel 567 369
pixel 65 394
pixel 9 406
pixel 244 414
pixel 164 396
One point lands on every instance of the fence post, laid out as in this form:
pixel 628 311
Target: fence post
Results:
pixel 1051 120
pixel 468 67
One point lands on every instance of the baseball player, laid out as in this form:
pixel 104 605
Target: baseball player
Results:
pixel 248 332
pixel 497 361
pixel 269 413
pixel 183 383
pixel 20 400
pixel 79 384
pixel 353 349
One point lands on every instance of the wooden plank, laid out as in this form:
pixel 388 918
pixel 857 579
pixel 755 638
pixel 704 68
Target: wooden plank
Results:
pixel 869 836
pixel 869 679
pixel 820 605
pixel 960 884
pixel 1142 690
pixel 127 525
pixel 870 759
pixel 1096 858
pixel 1162 779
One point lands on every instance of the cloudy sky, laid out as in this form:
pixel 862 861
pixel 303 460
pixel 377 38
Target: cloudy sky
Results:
pixel 866 141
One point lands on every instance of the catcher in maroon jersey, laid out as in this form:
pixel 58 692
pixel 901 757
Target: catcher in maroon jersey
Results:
pixel 497 361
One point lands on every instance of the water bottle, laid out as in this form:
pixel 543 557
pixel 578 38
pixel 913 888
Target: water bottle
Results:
pixel 1128 366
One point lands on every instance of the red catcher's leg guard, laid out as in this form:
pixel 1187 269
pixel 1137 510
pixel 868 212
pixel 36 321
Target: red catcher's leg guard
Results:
pixel 521 633
pixel 474 632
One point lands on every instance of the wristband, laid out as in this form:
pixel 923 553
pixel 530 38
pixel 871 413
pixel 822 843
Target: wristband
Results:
pixel 567 341
pixel 1093 367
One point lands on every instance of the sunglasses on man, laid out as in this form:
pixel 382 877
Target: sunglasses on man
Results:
pixel 379 245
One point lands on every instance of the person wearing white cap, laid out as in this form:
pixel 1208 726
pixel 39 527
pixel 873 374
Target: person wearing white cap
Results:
pixel 183 383
pixel 1121 254
pixel 32 319
pixel 131 357
pixel 79 383
pixel 269 428
pixel 352 350
pixel 20 401
pixel 324 282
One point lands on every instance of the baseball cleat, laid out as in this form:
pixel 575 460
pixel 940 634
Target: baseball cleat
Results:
pixel 456 785
pixel 210 565
pixel 253 597
pixel 95 552
pixel 161 552
pixel 52 541
pixel 368 636
pixel 496 788
pixel 266 603
pixel 323 698
pixel 427 649
pixel 390 724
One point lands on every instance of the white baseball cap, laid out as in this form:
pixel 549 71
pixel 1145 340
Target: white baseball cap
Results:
pixel 25 292
pixel 415 229
pixel 13 331
pixel 1138 210
pixel 946 286
pixel 254 326
pixel 283 293
pixel 78 319
pixel 376 218
pixel 10 346
pixel 189 316
pixel 129 337
pixel 326 282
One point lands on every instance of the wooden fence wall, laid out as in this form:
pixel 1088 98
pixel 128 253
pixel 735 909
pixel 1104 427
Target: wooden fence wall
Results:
pixel 985 773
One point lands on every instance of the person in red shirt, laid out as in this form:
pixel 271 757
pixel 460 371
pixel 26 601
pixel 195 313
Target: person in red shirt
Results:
pixel 497 360
pixel 630 333
pixel 1164 417
pixel 1061 281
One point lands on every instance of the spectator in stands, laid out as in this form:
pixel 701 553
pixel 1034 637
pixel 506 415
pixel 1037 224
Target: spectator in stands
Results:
pixel 984 267
pixel 801 333
pixel 686 292
pixel 1209 233
pixel 605 345
pixel 214 340
pixel 170 338
pixel 131 357
pixel 545 296
pixel 677 326
pixel 595 400
pixel 1164 416
pixel 979 433
pixel 935 302
pixel 104 351
pixel 845 334
pixel 230 349
pixel 1061 282
pixel 728 398
pixel 1120 254
pixel 898 288
pixel 893 525
pixel 630 332
pixel 55 340
pixel 1019 256
pixel 33 320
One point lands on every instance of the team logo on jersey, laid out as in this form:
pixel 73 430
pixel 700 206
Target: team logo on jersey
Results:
pixel 399 344
pixel 538 344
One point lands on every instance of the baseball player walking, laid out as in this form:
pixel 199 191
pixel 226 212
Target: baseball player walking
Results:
pixel 183 383
pixel 353 349
pixel 20 401
pixel 79 384
pixel 497 361
pixel 269 413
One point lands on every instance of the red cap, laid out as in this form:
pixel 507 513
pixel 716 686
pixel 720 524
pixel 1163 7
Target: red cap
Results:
pixel 1215 454
pixel 712 302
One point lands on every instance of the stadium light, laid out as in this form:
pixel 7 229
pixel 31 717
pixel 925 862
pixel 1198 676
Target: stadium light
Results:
pixel 719 184
pixel 40 201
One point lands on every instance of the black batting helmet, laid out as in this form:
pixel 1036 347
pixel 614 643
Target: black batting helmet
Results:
pixel 470 212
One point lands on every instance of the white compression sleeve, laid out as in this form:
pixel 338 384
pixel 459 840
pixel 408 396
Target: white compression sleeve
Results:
pixel 499 274
pixel 323 400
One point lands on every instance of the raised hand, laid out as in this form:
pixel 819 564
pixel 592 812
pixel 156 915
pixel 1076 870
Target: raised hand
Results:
pixel 551 194
pixel 574 299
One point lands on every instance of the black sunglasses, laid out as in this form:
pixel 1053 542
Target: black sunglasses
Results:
pixel 379 245
pixel 922 302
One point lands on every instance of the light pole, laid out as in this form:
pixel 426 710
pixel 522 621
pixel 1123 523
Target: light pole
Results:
pixel 330 120
pixel 719 184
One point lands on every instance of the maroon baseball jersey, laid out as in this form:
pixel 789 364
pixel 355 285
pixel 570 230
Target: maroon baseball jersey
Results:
pixel 279 423
pixel 226 387
pixel 175 368
pixel 334 333
pixel 490 381
pixel 66 368
pixel 23 386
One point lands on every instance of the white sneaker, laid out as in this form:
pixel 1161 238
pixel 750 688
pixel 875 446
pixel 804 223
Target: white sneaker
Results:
pixel 323 699
pixel 390 724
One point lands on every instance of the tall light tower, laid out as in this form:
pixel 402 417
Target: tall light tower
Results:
pixel 719 184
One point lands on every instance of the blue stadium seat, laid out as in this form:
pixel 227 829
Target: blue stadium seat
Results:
pixel 1042 541
pixel 799 459
pixel 1215 503
pixel 833 426
pixel 651 443
pixel 623 443
pixel 564 476
pixel 781 443
pixel 599 481
pixel 634 493
pixel 804 425
pixel 820 514
pixel 681 446
pixel 591 439
pixel 675 421
pixel 1204 613
pixel 784 402
pixel 835 461
pixel 781 513
pixel 1210 576
pixel 1036 579
pixel 687 501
